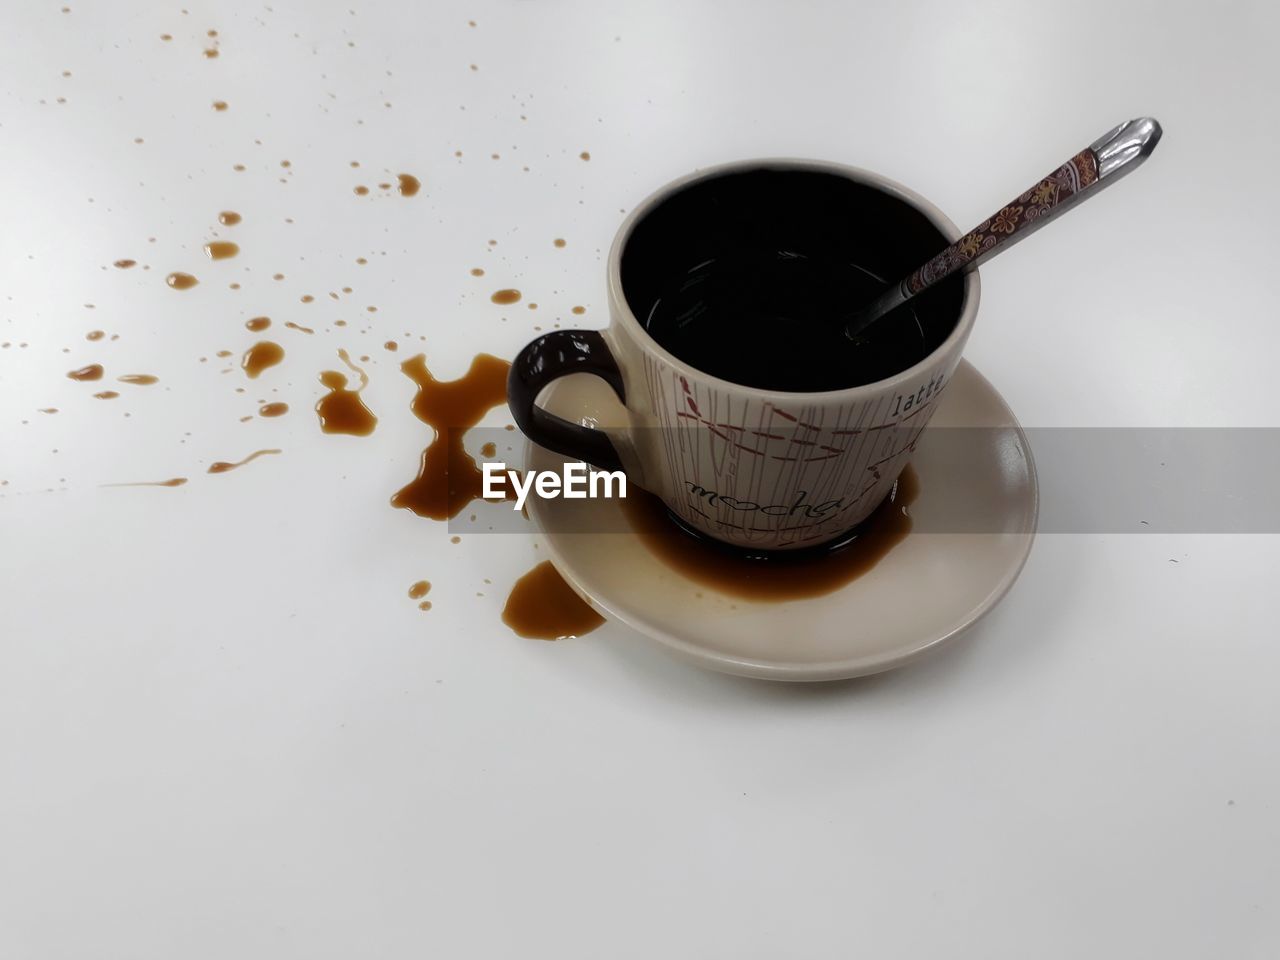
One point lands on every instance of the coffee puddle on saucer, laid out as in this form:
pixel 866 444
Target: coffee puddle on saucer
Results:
pixel 776 578
pixel 542 606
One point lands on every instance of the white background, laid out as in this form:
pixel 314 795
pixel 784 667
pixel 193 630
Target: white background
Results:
pixel 225 731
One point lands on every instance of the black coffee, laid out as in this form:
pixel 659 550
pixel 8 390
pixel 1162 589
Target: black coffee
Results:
pixel 751 276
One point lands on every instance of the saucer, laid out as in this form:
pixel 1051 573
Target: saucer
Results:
pixel 928 589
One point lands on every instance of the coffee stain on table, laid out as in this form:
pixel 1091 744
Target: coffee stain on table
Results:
pixel 408 184
pixel 341 410
pixel 222 466
pixel 92 372
pixel 261 356
pixel 228 218
pixel 172 482
pixel 273 409
pixel 780 575
pixel 181 281
pixel 506 296
pixel 221 249
pixel 542 606
pixel 139 379
pixel 257 324
pixel 448 477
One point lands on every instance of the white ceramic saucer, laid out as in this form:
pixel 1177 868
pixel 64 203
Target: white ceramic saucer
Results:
pixel 929 588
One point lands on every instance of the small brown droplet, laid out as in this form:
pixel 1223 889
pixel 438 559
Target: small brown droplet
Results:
pixel 221 249
pixel 258 324
pixel 505 296
pixel 92 372
pixel 94 335
pixel 391 345
pixel 239 168
pixel 584 155
pixel 273 410
pixel 409 184
pixel 181 281
pixel 228 218
pixel 107 395
pixel 261 356
pixel 125 264
pixel 489 449
pixel 477 272
pixel 361 191
pixel 219 105
pixel 579 310
pixel 559 241
pixel 455 539
pixel 424 605
pixel 211 52
pixel 139 379
pixel 419 589
pixel 166 36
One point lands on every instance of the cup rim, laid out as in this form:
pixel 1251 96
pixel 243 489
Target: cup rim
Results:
pixel 620 309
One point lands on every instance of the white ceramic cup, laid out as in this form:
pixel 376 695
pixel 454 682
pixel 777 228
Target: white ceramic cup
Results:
pixel 759 469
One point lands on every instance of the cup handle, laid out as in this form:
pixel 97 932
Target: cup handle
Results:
pixel 551 356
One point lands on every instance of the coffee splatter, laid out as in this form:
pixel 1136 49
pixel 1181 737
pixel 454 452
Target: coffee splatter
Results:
pixel 559 241
pixel 221 249
pixel 273 410
pixel 257 324
pixel 221 466
pixel 228 218
pixel 584 155
pixel 139 379
pixel 95 335
pixel 260 356
pixel 419 589
pixel 448 478
pixel 92 372
pixel 125 264
pixel 220 105
pixel 341 410
pixel 297 326
pixel 106 395
pixel 408 184
pixel 542 606
pixel 173 482
pixel 505 296
pixel 181 281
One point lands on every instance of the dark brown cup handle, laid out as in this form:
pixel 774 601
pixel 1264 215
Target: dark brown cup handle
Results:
pixel 555 355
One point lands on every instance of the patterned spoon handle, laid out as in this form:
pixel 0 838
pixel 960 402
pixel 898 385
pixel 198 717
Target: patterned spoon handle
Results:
pixel 1098 165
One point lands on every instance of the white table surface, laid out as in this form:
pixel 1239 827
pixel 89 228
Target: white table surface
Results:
pixel 225 731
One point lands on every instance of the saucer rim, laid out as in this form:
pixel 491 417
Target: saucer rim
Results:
pixel 786 671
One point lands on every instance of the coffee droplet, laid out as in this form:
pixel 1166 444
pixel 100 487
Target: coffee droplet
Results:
pixel 125 264
pixel 489 449
pixel 419 589
pixel 559 241
pixel 505 296
pixel 228 218
pixel 221 249
pixel 92 372
pixel 424 605
pixel 297 326
pixel 409 184
pixel 361 191
pixel 448 477
pixel 584 155
pixel 181 281
pixel 219 105
pixel 221 466
pixel 95 335
pixel 341 410
pixel 260 356
pixel 211 52
pixel 579 310
pixel 273 410
pixel 106 395
pixel 257 324
pixel 477 272
pixel 140 379
pixel 173 482
pixel 391 345
pixel 542 606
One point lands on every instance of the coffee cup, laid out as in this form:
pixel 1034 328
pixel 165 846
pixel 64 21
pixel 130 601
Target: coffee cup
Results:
pixel 748 411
